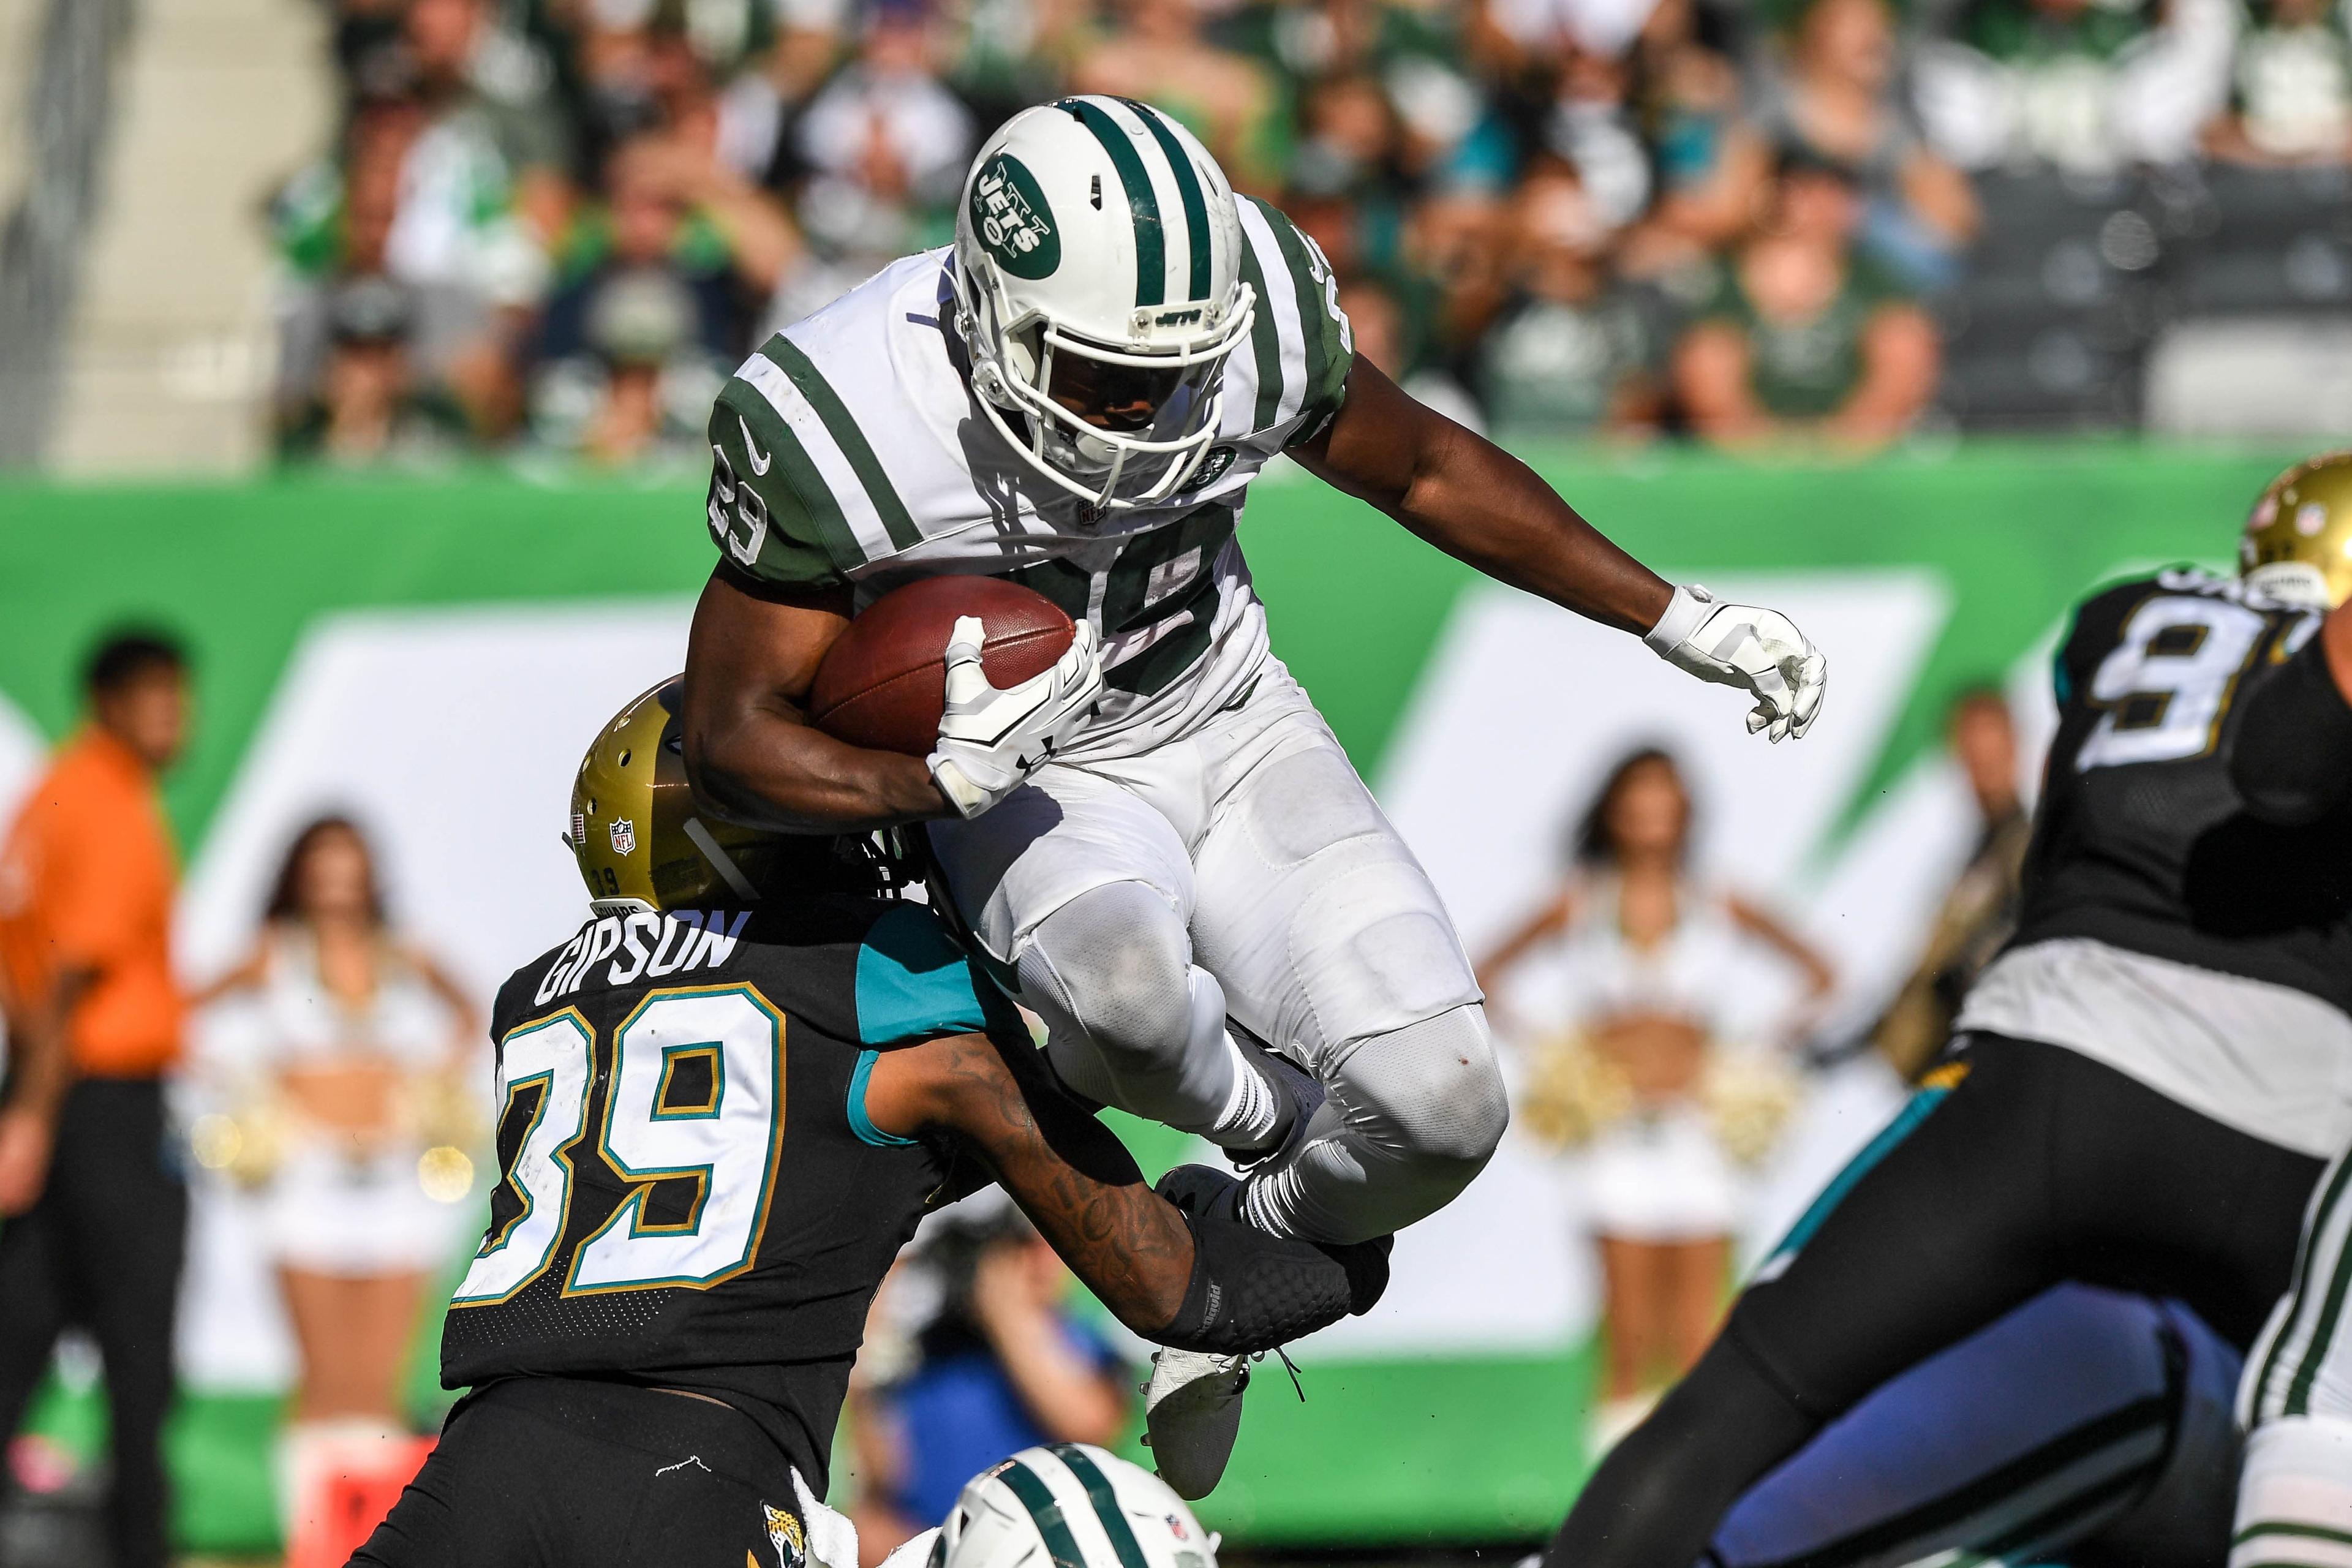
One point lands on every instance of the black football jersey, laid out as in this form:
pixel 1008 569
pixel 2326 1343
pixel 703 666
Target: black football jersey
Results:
pixel 2142 842
pixel 691 1195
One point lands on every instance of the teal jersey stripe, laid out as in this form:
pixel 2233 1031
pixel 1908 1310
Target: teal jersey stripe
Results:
pixel 1099 1492
pixel 791 460
pixel 1039 1498
pixel 1188 190
pixel 1150 242
pixel 1817 1214
pixel 1265 341
pixel 845 435
pixel 913 983
pixel 859 1122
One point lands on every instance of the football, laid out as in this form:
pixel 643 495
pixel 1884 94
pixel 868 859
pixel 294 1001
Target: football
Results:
pixel 884 684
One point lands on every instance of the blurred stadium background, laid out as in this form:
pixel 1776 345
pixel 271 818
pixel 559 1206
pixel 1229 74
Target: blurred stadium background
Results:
pixel 367 343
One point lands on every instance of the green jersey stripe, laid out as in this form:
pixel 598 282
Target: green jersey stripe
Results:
pixel 1311 318
pixel 2322 1216
pixel 1106 1501
pixel 1188 190
pixel 2290 1527
pixel 1150 242
pixel 2331 1315
pixel 791 460
pixel 845 435
pixel 1265 341
pixel 1039 1499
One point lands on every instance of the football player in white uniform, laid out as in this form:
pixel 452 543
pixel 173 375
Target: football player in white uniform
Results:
pixel 1159 837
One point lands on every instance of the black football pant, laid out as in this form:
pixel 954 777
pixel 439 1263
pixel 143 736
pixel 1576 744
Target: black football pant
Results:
pixel 561 1473
pixel 2016 1167
pixel 101 1251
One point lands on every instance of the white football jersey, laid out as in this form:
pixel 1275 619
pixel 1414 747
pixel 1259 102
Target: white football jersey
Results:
pixel 849 449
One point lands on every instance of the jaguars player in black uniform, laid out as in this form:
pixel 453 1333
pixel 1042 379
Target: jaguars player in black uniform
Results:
pixel 726 1100
pixel 2141 1088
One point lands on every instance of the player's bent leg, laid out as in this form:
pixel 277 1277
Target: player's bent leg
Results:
pixel 1130 1020
pixel 2087 1426
pixel 1334 947
pixel 1413 1116
pixel 1936 1229
pixel 1078 889
pixel 2294 1495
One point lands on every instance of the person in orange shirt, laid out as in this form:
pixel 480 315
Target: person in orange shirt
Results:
pixel 93 1207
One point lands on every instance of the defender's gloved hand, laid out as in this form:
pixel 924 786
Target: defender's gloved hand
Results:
pixel 990 740
pixel 1741 645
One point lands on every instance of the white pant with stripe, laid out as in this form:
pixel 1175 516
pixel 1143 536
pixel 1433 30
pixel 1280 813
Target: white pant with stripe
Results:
pixel 2295 1497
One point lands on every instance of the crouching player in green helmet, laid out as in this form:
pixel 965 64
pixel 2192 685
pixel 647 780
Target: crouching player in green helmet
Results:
pixel 1068 1504
pixel 726 1100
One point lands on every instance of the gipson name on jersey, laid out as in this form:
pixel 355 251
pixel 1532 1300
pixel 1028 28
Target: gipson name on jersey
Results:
pixel 643 946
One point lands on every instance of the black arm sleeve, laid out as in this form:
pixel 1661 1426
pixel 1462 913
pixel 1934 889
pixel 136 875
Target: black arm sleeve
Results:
pixel 2293 758
pixel 1251 1291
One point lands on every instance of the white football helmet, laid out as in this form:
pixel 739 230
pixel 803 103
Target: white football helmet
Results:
pixel 1099 291
pixel 1070 1506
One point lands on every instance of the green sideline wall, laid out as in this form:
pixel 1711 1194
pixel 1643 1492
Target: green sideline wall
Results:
pixel 1382 1452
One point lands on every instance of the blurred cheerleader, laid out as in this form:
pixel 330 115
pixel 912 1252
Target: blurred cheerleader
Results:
pixel 351 1118
pixel 1664 1110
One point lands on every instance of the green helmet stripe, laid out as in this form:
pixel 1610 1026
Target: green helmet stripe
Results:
pixel 1265 341
pixel 1039 1498
pixel 846 436
pixel 1150 242
pixel 1188 189
pixel 1106 1501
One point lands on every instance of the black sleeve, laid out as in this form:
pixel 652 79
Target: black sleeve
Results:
pixel 1251 1291
pixel 2293 760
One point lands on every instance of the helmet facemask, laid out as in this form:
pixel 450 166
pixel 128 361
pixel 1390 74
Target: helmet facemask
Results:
pixel 1155 411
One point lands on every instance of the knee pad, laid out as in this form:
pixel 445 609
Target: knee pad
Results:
pixel 1114 962
pixel 1429 1091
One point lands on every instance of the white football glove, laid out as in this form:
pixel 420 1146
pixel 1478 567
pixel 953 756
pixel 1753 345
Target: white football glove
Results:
pixel 1742 644
pixel 990 740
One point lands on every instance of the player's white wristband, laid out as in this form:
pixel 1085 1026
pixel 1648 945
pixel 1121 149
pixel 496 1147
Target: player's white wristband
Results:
pixel 1685 613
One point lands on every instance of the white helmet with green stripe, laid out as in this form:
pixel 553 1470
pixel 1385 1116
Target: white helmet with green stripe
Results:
pixel 1070 1505
pixel 1099 291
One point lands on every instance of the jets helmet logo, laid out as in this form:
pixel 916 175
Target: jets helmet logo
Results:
pixel 1015 224
pixel 625 836
pixel 785 1533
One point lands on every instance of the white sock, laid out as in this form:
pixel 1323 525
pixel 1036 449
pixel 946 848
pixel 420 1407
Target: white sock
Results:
pixel 1252 1107
pixel 2294 1500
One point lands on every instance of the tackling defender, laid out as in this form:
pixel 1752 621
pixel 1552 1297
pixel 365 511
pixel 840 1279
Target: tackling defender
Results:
pixel 1159 837
pixel 725 1101
pixel 2294 766
pixel 2144 1083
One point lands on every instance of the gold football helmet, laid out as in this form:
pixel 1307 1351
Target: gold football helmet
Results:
pixel 2298 540
pixel 640 841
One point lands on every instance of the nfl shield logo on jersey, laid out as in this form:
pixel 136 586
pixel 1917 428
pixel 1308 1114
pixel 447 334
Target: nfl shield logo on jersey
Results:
pixel 625 836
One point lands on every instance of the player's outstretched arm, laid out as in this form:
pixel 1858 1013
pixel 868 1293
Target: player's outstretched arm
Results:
pixel 1477 502
pixel 750 753
pixel 1480 505
pixel 1184 1269
pixel 2293 760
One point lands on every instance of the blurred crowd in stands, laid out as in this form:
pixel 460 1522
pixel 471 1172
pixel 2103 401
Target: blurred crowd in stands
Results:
pixel 554 225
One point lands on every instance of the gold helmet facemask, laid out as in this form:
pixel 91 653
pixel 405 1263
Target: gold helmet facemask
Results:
pixel 643 844
pixel 2298 540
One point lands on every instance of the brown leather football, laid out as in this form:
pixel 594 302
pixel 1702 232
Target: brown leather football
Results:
pixel 884 684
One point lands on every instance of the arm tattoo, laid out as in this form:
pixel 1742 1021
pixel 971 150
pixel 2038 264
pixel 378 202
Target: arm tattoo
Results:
pixel 1071 1176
